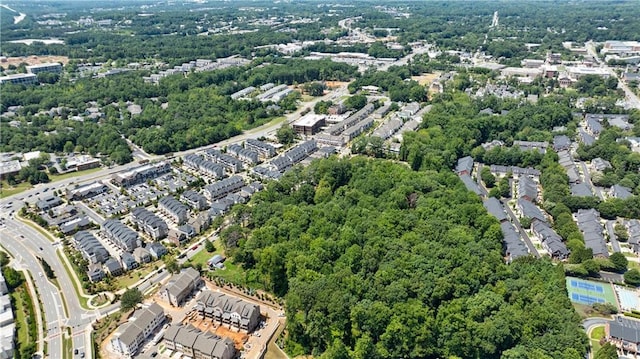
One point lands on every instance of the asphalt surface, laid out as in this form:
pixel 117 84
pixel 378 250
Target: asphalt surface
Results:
pixel 587 178
pixel 612 236
pixel 523 233
pixel 26 250
pixel 25 257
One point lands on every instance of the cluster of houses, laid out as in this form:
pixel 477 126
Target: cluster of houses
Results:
pixel 526 198
pixel 268 92
pixel 129 338
pixel 221 309
pixel 198 66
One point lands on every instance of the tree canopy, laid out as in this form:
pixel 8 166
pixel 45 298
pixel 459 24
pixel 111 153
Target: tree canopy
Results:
pixel 378 261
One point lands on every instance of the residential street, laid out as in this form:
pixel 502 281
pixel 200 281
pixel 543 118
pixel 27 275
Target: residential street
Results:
pixel 523 234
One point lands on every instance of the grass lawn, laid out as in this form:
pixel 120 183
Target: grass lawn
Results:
pixel 232 273
pixel 73 174
pixel 274 121
pixel 125 281
pixel 629 255
pixel 67 345
pixel 634 264
pixel 6 190
pixel 203 256
pixel 83 300
pixel 23 311
pixel 597 333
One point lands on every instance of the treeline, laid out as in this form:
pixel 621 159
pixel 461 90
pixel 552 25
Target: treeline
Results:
pixel 378 261
pixel 612 147
pixel 397 81
pixel 454 128
pixel 198 111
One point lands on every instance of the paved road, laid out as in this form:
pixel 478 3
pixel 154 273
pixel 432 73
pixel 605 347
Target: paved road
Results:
pixel 25 253
pixel 35 244
pixel 631 98
pixel 614 277
pixel 26 245
pixel 612 236
pixel 523 234
pixel 587 179
pixel 90 213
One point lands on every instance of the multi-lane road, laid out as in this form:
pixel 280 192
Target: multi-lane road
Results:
pixel 61 305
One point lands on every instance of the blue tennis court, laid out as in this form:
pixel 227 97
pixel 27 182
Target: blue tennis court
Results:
pixel 587 286
pixel 586 292
pixel 585 299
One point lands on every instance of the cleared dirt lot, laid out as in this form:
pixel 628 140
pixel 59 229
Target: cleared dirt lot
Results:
pixel 33 60
pixel 425 79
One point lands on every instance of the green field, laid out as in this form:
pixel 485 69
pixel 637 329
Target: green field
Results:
pixel 6 190
pixel 73 174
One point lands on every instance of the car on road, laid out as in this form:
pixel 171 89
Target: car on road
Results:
pixel 45 190
pixel 75 351
pixel 194 247
pixel 40 274
pixel 82 355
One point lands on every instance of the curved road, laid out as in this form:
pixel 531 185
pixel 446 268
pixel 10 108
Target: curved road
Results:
pixel 26 245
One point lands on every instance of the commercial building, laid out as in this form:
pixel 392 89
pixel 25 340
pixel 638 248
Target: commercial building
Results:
pixel 577 72
pixel 81 163
pixel 9 168
pixel 227 310
pixel 19 79
pixel 53 67
pixel 141 174
pixel 196 344
pixel 624 333
pixel 130 336
pixel 309 124
pixel 180 287
pixel 86 191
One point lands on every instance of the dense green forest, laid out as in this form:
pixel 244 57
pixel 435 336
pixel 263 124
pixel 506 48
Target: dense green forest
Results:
pixel 376 260
pixel 198 111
